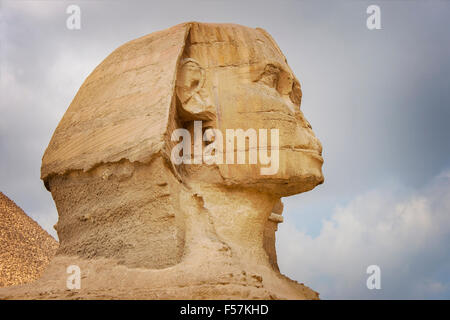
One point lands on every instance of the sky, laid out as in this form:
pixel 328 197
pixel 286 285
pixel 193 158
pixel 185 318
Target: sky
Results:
pixel 378 100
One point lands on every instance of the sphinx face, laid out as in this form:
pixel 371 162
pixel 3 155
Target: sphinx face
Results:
pixel 252 90
pixel 266 97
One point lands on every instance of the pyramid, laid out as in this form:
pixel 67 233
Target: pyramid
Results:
pixel 25 248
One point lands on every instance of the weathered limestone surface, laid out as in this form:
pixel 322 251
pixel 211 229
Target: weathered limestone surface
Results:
pixel 140 226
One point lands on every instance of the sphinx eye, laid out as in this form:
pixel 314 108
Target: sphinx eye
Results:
pixel 296 93
pixel 269 80
pixel 270 76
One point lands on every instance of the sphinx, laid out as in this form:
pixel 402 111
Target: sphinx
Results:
pixel 140 225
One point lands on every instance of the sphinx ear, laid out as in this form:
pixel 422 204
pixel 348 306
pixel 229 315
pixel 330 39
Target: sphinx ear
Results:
pixel 190 79
pixel 189 89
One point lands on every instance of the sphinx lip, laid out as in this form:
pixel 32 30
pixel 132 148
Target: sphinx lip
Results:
pixel 312 152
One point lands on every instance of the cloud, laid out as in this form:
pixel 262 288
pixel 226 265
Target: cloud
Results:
pixel 33 8
pixel 35 94
pixel 405 232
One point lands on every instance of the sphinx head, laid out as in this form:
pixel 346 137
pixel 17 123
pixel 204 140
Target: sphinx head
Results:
pixel 236 81
pixel 230 77
pixel 110 166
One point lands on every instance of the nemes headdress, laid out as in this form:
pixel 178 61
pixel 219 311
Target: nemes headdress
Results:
pixel 126 106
